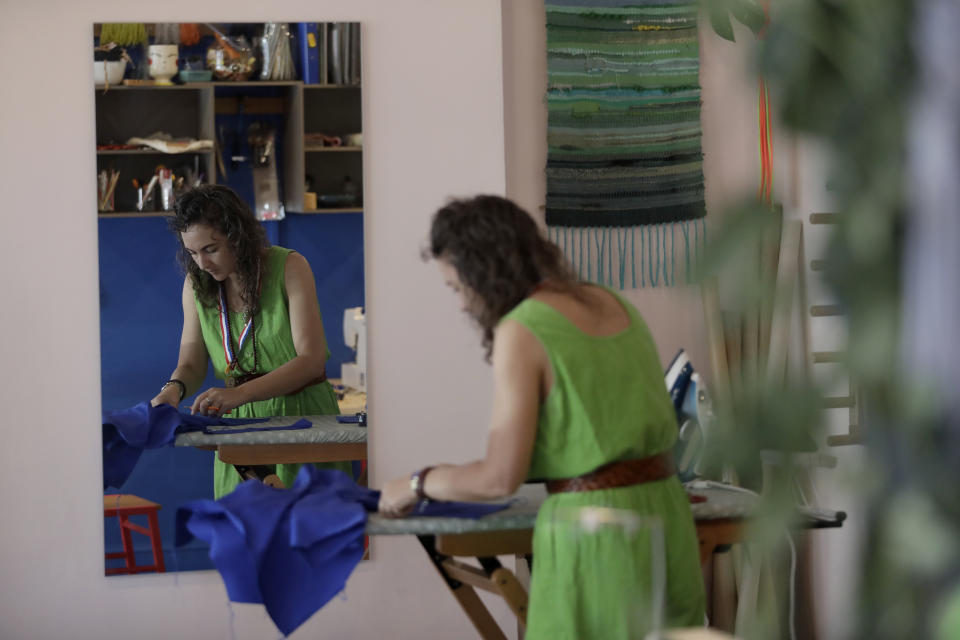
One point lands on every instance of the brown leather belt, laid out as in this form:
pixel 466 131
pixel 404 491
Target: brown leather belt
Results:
pixel 236 381
pixel 622 473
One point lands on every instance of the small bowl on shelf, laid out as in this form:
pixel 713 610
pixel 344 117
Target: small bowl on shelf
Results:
pixel 196 75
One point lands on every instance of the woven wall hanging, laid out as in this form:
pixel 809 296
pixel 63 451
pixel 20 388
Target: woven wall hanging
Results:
pixel 624 164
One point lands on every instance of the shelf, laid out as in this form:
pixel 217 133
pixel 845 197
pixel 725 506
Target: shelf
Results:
pixel 223 83
pixel 190 110
pixel 134 214
pixel 148 152
pixel 331 210
pixel 314 149
pixel 148 87
pixel 331 86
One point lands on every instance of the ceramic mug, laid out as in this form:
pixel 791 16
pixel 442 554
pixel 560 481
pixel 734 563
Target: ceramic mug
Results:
pixel 163 62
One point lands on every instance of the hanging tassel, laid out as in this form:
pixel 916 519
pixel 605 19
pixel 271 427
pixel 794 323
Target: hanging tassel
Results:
pixel 643 253
pixel 673 260
pixel 601 252
pixel 659 260
pixel 609 256
pixel 653 257
pixel 589 258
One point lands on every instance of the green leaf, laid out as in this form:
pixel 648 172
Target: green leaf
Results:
pixel 720 20
pixel 749 13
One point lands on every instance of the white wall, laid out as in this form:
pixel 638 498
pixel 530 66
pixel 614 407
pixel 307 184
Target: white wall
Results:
pixel 433 125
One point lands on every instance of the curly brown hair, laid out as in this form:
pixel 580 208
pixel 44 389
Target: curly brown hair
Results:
pixel 498 252
pixel 221 208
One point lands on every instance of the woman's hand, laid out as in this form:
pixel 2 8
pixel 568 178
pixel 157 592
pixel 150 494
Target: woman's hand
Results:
pixel 397 499
pixel 217 401
pixel 170 394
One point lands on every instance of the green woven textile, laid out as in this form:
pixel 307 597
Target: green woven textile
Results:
pixel 624 165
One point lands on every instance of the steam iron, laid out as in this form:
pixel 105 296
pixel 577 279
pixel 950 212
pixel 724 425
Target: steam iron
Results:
pixel 694 411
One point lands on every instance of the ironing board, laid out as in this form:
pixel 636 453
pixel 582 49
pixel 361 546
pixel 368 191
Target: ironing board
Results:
pixel 720 520
pixel 326 440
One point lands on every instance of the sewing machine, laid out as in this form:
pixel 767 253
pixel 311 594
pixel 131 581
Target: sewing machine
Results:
pixel 354 374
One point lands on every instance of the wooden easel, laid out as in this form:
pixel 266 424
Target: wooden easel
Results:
pixel 770 341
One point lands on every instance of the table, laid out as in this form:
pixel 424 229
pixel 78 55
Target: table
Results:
pixel 327 440
pixel 720 520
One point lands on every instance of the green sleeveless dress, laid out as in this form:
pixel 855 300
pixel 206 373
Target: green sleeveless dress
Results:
pixel 608 402
pixel 275 348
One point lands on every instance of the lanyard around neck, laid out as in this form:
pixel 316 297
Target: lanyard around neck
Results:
pixel 232 358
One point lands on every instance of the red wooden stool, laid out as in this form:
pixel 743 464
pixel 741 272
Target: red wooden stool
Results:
pixel 123 506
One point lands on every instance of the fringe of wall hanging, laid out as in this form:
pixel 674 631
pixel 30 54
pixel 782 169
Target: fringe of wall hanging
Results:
pixel 624 164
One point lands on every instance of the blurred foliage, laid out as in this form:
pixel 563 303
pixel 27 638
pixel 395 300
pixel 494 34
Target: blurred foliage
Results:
pixel 747 12
pixel 841 71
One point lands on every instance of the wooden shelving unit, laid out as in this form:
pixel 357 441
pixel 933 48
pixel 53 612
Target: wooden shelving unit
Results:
pixel 189 111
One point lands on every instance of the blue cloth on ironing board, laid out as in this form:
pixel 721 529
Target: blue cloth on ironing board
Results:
pixel 293 549
pixel 127 432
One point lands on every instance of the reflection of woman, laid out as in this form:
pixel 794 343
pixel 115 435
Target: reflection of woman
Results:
pixel 577 386
pixel 252 309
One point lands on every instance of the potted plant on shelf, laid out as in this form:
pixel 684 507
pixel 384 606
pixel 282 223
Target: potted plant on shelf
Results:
pixel 109 64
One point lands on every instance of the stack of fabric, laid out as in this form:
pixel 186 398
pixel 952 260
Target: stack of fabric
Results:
pixel 292 550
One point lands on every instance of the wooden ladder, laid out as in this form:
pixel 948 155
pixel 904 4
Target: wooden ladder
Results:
pixel 851 401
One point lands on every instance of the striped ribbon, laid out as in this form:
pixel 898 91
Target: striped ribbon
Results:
pixel 227 340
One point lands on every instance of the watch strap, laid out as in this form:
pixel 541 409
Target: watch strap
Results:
pixel 417 481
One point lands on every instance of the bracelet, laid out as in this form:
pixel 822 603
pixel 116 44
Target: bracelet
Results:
pixel 183 387
pixel 417 481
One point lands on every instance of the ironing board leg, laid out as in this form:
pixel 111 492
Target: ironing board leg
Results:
pixel 468 599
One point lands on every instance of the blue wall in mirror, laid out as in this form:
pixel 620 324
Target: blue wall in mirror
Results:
pixel 140 323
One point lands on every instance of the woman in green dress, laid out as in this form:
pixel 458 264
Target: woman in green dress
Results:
pixel 252 310
pixel 579 402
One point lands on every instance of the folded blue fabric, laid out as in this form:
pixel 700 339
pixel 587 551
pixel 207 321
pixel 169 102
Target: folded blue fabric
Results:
pixel 126 433
pixel 293 549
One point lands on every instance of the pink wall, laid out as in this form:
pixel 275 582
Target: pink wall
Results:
pixel 433 124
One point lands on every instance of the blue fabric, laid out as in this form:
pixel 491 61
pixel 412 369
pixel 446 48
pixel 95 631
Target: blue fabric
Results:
pixel 293 549
pixel 126 433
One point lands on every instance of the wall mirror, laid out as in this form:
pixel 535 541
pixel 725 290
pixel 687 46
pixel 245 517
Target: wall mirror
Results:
pixel 272 110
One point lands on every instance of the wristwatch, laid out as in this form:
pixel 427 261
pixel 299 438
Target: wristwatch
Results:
pixel 417 480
